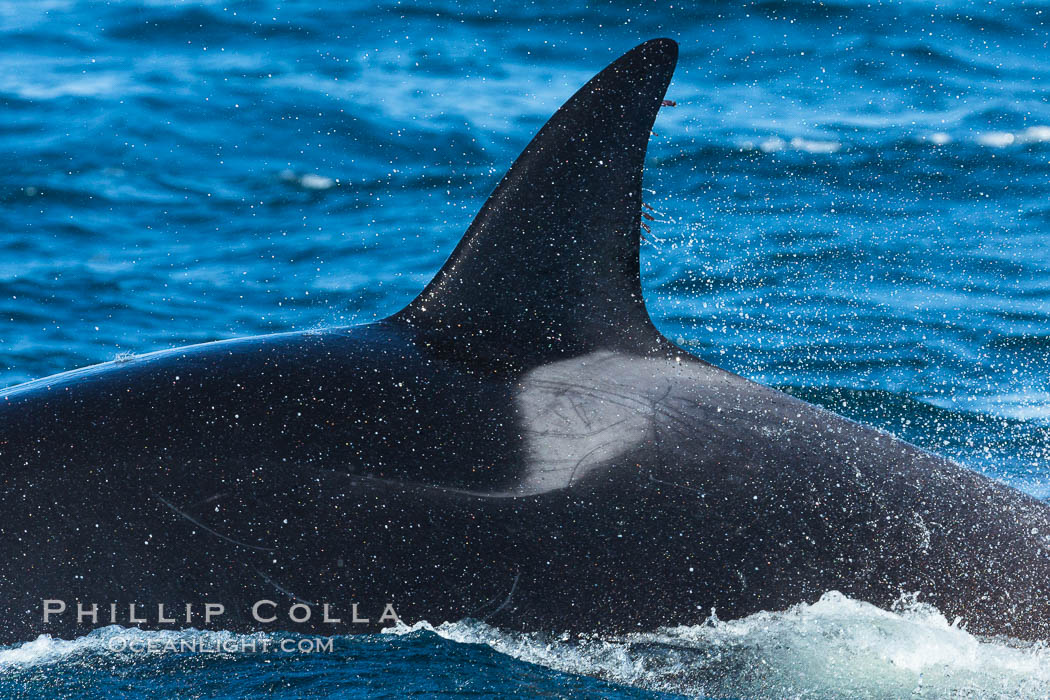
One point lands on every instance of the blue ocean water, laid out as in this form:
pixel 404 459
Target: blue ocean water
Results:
pixel 854 206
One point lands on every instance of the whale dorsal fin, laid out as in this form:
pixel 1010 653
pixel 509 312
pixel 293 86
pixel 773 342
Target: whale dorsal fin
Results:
pixel 550 264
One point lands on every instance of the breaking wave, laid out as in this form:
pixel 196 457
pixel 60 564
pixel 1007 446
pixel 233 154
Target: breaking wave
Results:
pixel 834 648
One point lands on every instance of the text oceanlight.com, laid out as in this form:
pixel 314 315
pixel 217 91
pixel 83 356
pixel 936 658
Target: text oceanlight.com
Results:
pixel 234 645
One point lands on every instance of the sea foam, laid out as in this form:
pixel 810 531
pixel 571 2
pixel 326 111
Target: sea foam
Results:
pixel 834 648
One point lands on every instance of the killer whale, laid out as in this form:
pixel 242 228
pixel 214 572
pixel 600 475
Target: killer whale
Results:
pixel 519 444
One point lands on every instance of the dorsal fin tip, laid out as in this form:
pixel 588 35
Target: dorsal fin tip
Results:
pixel 553 254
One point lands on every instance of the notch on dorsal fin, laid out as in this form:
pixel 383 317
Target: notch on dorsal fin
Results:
pixel 550 264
